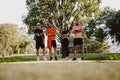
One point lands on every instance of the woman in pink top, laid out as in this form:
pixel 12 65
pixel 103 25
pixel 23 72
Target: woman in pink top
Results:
pixel 78 40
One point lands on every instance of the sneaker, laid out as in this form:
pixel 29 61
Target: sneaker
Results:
pixel 56 58
pixel 38 58
pixel 50 58
pixel 74 59
pixel 44 58
pixel 82 58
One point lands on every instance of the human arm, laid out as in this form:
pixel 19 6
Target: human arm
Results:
pixel 73 30
pixel 65 34
pixel 39 34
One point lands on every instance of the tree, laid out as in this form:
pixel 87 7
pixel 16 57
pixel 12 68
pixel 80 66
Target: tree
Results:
pixel 12 41
pixel 100 35
pixel 97 31
pixel 113 24
pixel 8 37
pixel 24 44
pixel 93 45
pixel 66 11
pixel 60 12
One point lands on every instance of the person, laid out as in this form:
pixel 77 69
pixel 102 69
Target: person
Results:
pixel 78 40
pixel 51 39
pixel 65 42
pixel 39 35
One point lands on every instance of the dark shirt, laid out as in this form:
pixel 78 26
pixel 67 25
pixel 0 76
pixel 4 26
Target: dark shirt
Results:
pixel 39 31
pixel 65 32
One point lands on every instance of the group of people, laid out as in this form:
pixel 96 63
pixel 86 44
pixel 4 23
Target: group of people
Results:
pixel 51 33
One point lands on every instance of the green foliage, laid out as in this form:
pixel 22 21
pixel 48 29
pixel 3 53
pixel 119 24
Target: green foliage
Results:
pixel 108 56
pixel 93 57
pixel 93 45
pixel 60 11
pixel 8 37
pixel 114 56
pixel 24 44
pixel 11 41
pixel 100 35
pixel 113 24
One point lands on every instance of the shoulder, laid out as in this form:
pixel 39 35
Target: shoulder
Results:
pixel 41 29
pixel 54 29
pixel 81 26
pixel 68 31
pixel 74 27
pixel 47 29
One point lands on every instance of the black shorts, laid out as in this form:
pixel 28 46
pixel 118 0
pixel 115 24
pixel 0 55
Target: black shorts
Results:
pixel 54 43
pixel 39 44
pixel 78 41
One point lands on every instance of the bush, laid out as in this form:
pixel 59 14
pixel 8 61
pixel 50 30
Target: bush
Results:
pixel 115 56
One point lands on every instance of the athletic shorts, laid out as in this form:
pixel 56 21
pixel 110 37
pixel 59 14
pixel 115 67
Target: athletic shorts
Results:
pixel 51 43
pixel 39 44
pixel 78 41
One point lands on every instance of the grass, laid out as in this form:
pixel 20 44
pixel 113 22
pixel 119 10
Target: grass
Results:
pixel 115 56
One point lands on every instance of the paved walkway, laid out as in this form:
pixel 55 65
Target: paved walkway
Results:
pixel 61 70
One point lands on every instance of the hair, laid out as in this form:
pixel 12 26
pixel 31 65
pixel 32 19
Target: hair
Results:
pixel 78 23
pixel 50 22
pixel 66 26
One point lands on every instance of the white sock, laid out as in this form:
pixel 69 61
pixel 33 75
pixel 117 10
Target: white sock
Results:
pixel 38 58
pixel 44 58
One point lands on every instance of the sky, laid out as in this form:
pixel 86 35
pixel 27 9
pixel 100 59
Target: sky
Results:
pixel 11 11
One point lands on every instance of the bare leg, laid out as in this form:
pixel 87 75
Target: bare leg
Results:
pixel 50 53
pixel 43 51
pixel 75 51
pixel 82 51
pixel 55 52
pixel 37 52
pixel 44 57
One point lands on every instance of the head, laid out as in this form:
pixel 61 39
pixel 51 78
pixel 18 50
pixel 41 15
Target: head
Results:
pixel 65 27
pixel 77 23
pixel 38 26
pixel 50 24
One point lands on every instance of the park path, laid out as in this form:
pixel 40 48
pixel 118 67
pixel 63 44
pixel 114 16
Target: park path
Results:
pixel 60 70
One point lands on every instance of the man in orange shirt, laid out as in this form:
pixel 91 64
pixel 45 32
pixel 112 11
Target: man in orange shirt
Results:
pixel 51 42
pixel 78 40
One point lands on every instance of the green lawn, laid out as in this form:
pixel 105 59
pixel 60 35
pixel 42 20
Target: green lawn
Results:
pixel 115 56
